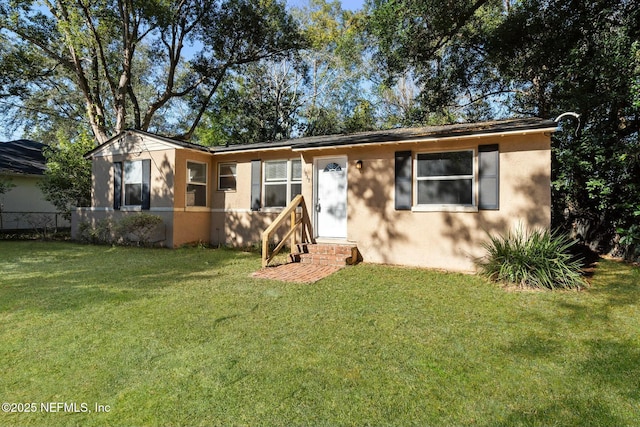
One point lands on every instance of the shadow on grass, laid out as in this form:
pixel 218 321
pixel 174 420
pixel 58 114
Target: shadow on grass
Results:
pixel 621 285
pixel 615 363
pixel 608 365
pixel 566 412
pixel 535 346
pixel 610 362
pixel 613 288
pixel 65 276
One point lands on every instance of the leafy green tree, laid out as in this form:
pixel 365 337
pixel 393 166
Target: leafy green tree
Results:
pixel 483 59
pixel 435 45
pixel 187 49
pixel 258 104
pixel 317 91
pixel 67 179
pixel 362 118
pixel 6 185
pixel 580 56
pixel 18 69
pixel 334 65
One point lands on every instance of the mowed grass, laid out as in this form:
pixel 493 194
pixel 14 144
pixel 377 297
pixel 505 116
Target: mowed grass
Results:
pixel 187 337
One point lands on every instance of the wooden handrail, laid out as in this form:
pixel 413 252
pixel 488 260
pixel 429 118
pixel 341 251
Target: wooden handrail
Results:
pixel 304 222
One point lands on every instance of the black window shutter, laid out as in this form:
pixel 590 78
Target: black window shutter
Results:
pixel 146 184
pixel 404 181
pixel 117 185
pixel 489 176
pixel 256 185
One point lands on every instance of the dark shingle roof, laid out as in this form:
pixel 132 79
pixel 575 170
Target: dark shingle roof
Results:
pixel 22 157
pixel 399 135
pixel 363 138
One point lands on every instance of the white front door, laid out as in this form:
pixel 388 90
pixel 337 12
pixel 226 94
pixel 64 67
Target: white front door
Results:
pixel 331 197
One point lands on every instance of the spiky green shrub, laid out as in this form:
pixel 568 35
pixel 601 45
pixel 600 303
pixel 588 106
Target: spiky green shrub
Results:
pixel 535 259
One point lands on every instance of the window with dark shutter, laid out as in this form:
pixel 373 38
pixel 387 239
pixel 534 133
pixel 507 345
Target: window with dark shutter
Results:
pixel 256 185
pixel 282 182
pixel 404 182
pixel 489 177
pixel 146 184
pixel 445 178
pixel 132 184
pixel 117 185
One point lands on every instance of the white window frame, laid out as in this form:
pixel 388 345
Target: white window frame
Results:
pixel 124 185
pixel 289 181
pixel 220 175
pixel 204 184
pixel 473 207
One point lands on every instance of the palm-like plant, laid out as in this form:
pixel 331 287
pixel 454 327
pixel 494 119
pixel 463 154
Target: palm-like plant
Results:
pixel 535 259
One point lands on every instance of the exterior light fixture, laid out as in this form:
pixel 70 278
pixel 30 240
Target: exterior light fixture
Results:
pixel 359 164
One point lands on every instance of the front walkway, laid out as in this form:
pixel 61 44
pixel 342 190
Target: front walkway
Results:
pixel 297 272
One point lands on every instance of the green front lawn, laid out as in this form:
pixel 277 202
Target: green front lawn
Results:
pixel 186 337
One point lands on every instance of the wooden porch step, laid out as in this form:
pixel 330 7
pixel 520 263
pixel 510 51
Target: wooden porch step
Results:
pixel 326 254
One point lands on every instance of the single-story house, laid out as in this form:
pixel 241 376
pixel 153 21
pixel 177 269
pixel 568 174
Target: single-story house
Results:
pixel 24 206
pixel 416 196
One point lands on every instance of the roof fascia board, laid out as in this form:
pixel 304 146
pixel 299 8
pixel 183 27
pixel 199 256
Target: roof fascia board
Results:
pixel 428 139
pixel 172 142
pixel 163 140
pixel 251 150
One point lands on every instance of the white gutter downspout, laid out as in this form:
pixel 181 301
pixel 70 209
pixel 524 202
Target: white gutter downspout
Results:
pixel 571 114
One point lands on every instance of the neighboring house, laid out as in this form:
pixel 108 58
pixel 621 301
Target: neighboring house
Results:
pixel 24 206
pixel 419 196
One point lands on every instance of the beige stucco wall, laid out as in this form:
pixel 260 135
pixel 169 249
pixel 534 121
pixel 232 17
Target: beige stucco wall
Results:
pixel 191 224
pixel 233 222
pixel 161 188
pixel 182 224
pixel 24 206
pixel 162 177
pixel 446 239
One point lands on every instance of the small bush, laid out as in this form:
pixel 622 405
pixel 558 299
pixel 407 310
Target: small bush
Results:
pixel 538 259
pixel 138 228
pixel 42 225
pixel 630 239
pixel 102 232
pixel 132 229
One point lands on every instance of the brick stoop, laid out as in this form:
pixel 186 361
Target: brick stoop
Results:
pixel 329 254
pixel 297 273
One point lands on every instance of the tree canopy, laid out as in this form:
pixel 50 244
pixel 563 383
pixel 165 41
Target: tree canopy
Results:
pixel 144 64
pixel 67 179
pixel 482 59
pixel 316 91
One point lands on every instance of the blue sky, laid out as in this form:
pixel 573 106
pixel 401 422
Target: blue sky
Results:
pixel 346 4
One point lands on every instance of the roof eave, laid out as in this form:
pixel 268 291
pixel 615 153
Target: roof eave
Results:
pixel 173 143
pixel 249 148
pixel 429 138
